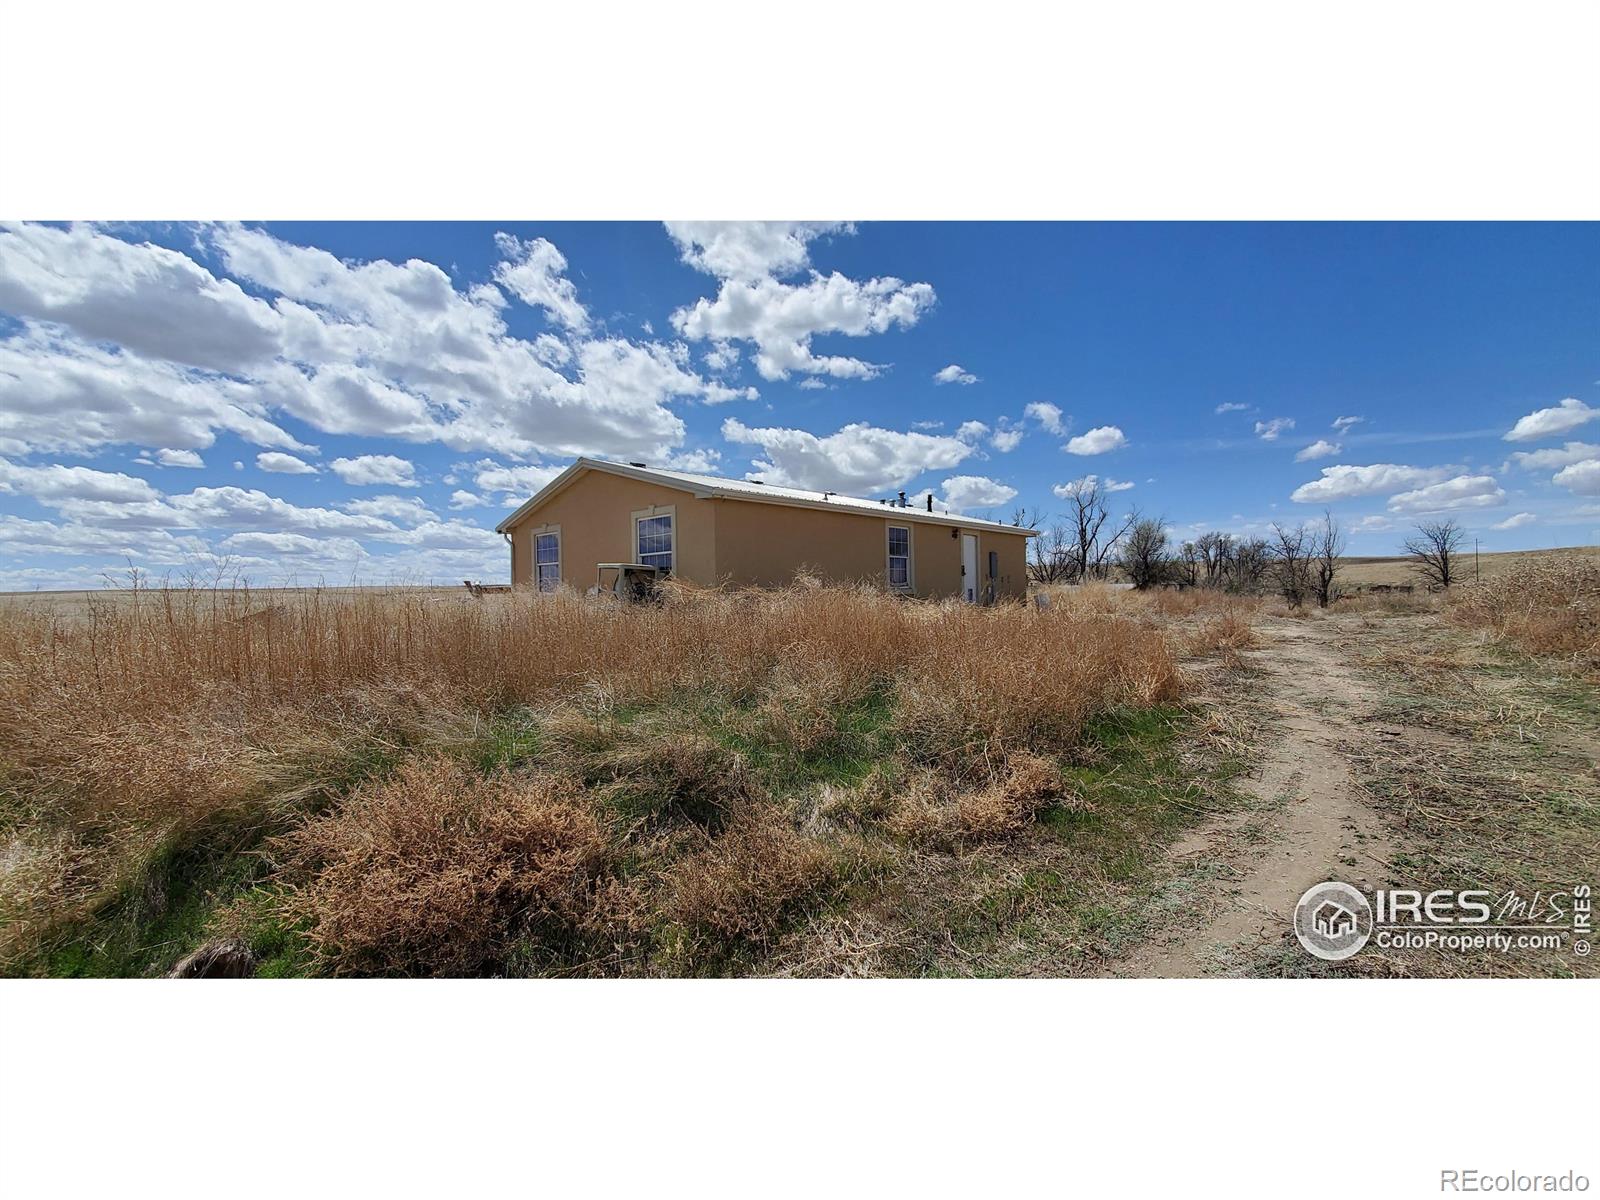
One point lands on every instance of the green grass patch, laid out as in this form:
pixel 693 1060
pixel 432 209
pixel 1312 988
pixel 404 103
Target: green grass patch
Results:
pixel 1071 895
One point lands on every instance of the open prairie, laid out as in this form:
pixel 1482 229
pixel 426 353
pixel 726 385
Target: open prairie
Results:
pixel 1356 573
pixel 815 781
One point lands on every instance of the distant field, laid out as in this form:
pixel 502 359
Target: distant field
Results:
pixel 1355 572
pixel 76 602
pixel 1364 572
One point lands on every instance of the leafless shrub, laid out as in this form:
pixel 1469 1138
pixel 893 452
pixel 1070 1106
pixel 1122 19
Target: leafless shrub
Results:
pixel 659 774
pixel 803 699
pixel 1143 554
pixel 439 870
pixel 741 887
pixel 1229 631
pixel 935 811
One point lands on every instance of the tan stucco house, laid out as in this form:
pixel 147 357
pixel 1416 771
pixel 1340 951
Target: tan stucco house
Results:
pixel 712 531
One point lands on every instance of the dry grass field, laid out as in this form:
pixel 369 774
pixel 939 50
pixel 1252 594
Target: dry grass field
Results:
pixel 817 781
pixel 1356 573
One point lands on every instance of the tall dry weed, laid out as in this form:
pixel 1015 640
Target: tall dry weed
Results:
pixel 1545 605
pixel 131 723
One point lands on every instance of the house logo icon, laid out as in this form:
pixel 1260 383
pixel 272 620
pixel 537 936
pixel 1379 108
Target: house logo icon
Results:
pixel 1333 920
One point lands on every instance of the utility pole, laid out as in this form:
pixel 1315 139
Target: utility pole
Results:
pixel 1474 560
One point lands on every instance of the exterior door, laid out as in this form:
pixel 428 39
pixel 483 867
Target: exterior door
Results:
pixel 969 567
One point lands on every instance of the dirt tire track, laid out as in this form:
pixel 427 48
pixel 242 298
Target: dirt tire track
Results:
pixel 1313 708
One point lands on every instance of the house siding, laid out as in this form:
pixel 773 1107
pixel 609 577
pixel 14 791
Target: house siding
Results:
pixel 754 544
pixel 595 516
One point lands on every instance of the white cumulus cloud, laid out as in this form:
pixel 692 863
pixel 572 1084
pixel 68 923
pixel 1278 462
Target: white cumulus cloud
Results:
pixel 520 481
pixel 1065 491
pixel 748 249
pixel 966 493
pixel 56 485
pixel 1581 478
pixel 1547 422
pixel 1551 458
pixel 1515 521
pixel 780 319
pixel 1008 436
pixel 954 374
pixel 59 393
pixel 1268 431
pixel 151 300
pixel 1321 448
pixel 367 469
pixel 1048 415
pixel 1463 491
pixel 405 509
pixel 535 272
pixel 971 431
pixel 857 459
pixel 283 464
pixel 179 458
pixel 1097 441
pixel 1379 479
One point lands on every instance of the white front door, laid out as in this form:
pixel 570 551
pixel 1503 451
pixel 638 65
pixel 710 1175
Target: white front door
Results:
pixel 969 567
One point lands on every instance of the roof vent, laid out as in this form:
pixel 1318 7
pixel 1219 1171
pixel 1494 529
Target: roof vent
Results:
pixel 634 464
pixel 757 482
pixel 902 499
pixel 930 501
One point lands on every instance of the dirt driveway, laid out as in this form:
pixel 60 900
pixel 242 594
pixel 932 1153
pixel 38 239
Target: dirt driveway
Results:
pixel 1304 820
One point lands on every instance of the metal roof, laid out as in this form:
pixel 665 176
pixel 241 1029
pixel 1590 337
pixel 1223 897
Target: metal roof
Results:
pixel 716 487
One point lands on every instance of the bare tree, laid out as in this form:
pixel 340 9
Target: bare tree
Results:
pixel 1094 538
pixel 1215 551
pixel 1327 545
pixel 1434 551
pixel 1052 556
pixel 1143 556
pixel 1246 566
pixel 1106 549
pixel 1024 517
pixel 1189 564
pixel 1291 567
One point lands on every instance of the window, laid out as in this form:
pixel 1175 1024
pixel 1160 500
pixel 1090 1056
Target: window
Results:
pixel 655 542
pixel 900 558
pixel 547 561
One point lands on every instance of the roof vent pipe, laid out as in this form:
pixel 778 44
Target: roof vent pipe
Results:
pixel 639 465
pixel 902 499
pixel 930 501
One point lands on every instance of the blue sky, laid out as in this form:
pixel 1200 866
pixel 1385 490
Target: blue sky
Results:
pixel 364 401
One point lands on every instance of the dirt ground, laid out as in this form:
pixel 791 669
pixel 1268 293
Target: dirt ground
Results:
pixel 1361 723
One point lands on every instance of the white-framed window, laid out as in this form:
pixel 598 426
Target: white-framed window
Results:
pixel 653 540
pixel 900 557
pixel 547 560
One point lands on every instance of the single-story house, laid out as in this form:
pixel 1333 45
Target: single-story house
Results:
pixel 712 531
